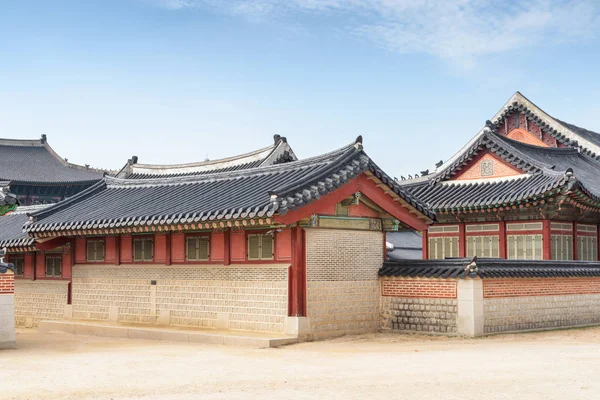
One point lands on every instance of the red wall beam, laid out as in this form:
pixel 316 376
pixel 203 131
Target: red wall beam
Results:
pixel 297 278
pixel 546 240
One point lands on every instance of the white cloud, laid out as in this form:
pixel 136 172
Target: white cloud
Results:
pixel 460 31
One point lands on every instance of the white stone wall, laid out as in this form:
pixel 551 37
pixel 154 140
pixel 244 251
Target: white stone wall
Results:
pixel 249 297
pixel 540 312
pixel 341 280
pixel 39 300
pixel 7 311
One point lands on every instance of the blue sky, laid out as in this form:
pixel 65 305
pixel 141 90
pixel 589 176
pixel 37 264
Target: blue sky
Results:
pixel 176 80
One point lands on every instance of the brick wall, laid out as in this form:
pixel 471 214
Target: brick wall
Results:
pixel 430 288
pixel 423 305
pixel 341 280
pixel 524 304
pixel 7 311
pixel 249 297
pixel 540 287
pixel 7 284
pixel 38 300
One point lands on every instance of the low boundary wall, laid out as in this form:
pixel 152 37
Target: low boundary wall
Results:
pixel 7 310
pixel 467 298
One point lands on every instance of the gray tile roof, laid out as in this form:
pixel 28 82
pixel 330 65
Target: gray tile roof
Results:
pixel 407 245
pixel 11 227
pixel 34 161
pixel 279 152
pixel 563 132
pixel 489 268
pixel 257 192
pixel 544 169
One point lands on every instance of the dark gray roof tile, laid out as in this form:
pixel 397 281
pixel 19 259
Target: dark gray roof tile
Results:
pixel 256 192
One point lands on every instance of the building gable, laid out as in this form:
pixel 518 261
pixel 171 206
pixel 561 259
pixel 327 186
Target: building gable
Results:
pixel 523 136
pixel 488 165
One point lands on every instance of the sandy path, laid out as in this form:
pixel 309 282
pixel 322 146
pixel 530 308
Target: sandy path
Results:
pixel 551 365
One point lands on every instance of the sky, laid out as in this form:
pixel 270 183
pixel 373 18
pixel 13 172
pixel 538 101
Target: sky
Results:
pixel 174 81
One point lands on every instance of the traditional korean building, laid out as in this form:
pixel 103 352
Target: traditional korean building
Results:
pixel 36 174
pixel 525 187
pixel 290 246
pixel 279 152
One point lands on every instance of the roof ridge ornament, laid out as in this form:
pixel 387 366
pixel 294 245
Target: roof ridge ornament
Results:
pixel 358 143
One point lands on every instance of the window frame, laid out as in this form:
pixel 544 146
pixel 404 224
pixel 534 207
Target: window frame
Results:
pixel 247 244
pixel 524 235
pixel 566 246
pixel 443 237
pixel 21 257
pixel 94 239
pixel 58 257
pixel 143 238
pixel 208 238
pixel 594 240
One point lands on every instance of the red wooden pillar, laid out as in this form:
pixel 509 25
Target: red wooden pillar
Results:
pixel 34 265
pixel 462 241
pixel 575 244
pixel 502 251
pixel 117 250
pixel 598 242
pixel 297 278
pixel 425 245
pixel 168 248
pixel 546 240
pixel 227 247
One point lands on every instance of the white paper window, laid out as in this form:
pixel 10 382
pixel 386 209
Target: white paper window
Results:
pixel 562 247
pixel 587 248
pixel 443 247
pixel 524 247
pixel 483 246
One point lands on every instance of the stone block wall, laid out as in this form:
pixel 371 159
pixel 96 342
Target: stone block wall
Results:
pixel 39 300
pixel 342 287
pixel 525 304
pixel 420 305
pixel 249 297
pixel 7 311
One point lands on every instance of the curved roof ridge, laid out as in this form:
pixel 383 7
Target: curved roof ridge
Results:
pixel 208 162
pixel 263 156
pixel 22 142
pixel 129 182
pixel 518 99
pixel 35 161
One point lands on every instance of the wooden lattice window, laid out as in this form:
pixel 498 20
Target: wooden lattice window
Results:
pixel 54 266
pixel 197 248
pixel 562 247
pixel 143 249
pixel 587 248
pixel 443 247
pixel 524 247
pixel 95 250
pixel 19 263
pixel 261 247
pixel 483 246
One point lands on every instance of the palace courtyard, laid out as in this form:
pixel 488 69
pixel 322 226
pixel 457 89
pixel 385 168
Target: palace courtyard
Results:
pixel 543 365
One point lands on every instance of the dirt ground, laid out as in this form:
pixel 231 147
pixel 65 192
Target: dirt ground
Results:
pixel 548 365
